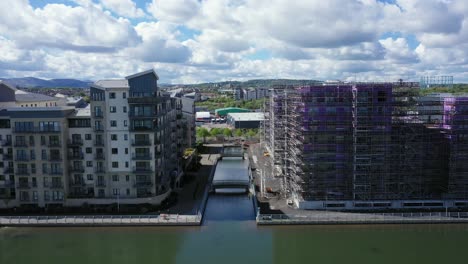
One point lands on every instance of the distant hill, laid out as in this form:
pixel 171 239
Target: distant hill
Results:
pixel 31 82
pixel 249 83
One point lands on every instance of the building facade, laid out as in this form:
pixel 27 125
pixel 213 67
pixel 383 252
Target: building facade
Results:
pixel 367 146
pixel 124 148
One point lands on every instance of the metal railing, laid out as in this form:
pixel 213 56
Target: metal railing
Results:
pixel 99 220
pixel 329 217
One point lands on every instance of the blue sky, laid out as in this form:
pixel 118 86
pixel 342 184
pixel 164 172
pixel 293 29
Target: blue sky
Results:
pixel 190 41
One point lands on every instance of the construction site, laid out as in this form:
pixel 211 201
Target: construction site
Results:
pixel 367 146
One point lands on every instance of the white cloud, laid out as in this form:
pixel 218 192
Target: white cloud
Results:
pixel 82 28
pixel 177 11
pixel 398 51
pixel 126 8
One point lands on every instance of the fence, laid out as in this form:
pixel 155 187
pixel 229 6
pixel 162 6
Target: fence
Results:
pixel 101 220
pixel 356 218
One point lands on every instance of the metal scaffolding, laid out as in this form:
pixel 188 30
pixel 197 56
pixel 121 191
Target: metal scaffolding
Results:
pixel 366 141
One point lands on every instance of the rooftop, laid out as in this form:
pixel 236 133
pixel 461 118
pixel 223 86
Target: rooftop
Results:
pixel 115 83
pixel 22 96
pixel 252 116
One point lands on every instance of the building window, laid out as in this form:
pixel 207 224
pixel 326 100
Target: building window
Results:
pixel 115 151
pixel 116 191
pixel 126 150
pixel 113 109
pixel 101 193
pixel 111 95
pixel 113 137
pixel 88 136
pixel 89 163
pixel 89 177
pixel 126 165
pixel 125 123
pixel 113 123
pixel 115 178
pixel 125 137
pixel 46 195
pixel 124 95
pixel 125 109
pixel 89 150
pixel 115 164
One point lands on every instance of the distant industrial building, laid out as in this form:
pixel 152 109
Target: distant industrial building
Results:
pixel 245 120
pixel 368 146
pixel 202 116
pixel 222 112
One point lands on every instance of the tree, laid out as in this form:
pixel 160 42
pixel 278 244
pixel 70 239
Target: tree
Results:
pixel 215 131
pixel 227 132
pixel 238 132
pixel 203 133
pixel 251 133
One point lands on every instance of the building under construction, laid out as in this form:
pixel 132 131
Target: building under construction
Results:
pixel 368 145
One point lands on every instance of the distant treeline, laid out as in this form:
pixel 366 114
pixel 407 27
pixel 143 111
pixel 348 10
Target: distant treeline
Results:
pixel 460 88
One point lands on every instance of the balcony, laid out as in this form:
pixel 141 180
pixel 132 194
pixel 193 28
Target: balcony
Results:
pixel 141 128
pixel 75 142
pixel 56 185
pixel 9 170
pixel 145 100
pixel 100 184
pixel 132 114
pixel 21 144
pixel 6 143
pixel 99 156
pixel 45 129
pixel 56 172
pixel 75 156
pixel 99 143
pixel 22 158
pixel 82 195
pixel 142 169
pixel 55 158
pixel 22 172
pixel 99 170
pixel 79 183
pixel 7 157
pixel 141 142
pixel 146 183
pixel 7 184
pixel 77 169
pixel 55 144
pixel 146 156
pixel 23 185
pixel 99 129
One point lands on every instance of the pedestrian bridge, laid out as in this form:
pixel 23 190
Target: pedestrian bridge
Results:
pixel 232 175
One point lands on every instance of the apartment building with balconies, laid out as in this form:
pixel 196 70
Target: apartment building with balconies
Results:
pixel 125 146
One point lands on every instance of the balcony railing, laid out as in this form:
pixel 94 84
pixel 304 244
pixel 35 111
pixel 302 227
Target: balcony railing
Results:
pixel 141 128
pixel 99 143
pixel 146 183
pixel 6 143
pixel 99 156
pixel 77 169
pixel 99 128
pixel 100 184
pixel 9 170
pixel 22 172
pixel 21 144
pixel 37 130
pixel 56 185
pixel 23 185
pixel 56 172
pixel 22 158
pixel 55 144
pixel 142 169
pixel 75 156
pixel 132 114
pixel 144 100
pixel 99 170
pixel 77 183
pixel 141 142
pixel 7 184
pixel 142 156
pixel 75 142
pixel 55 158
